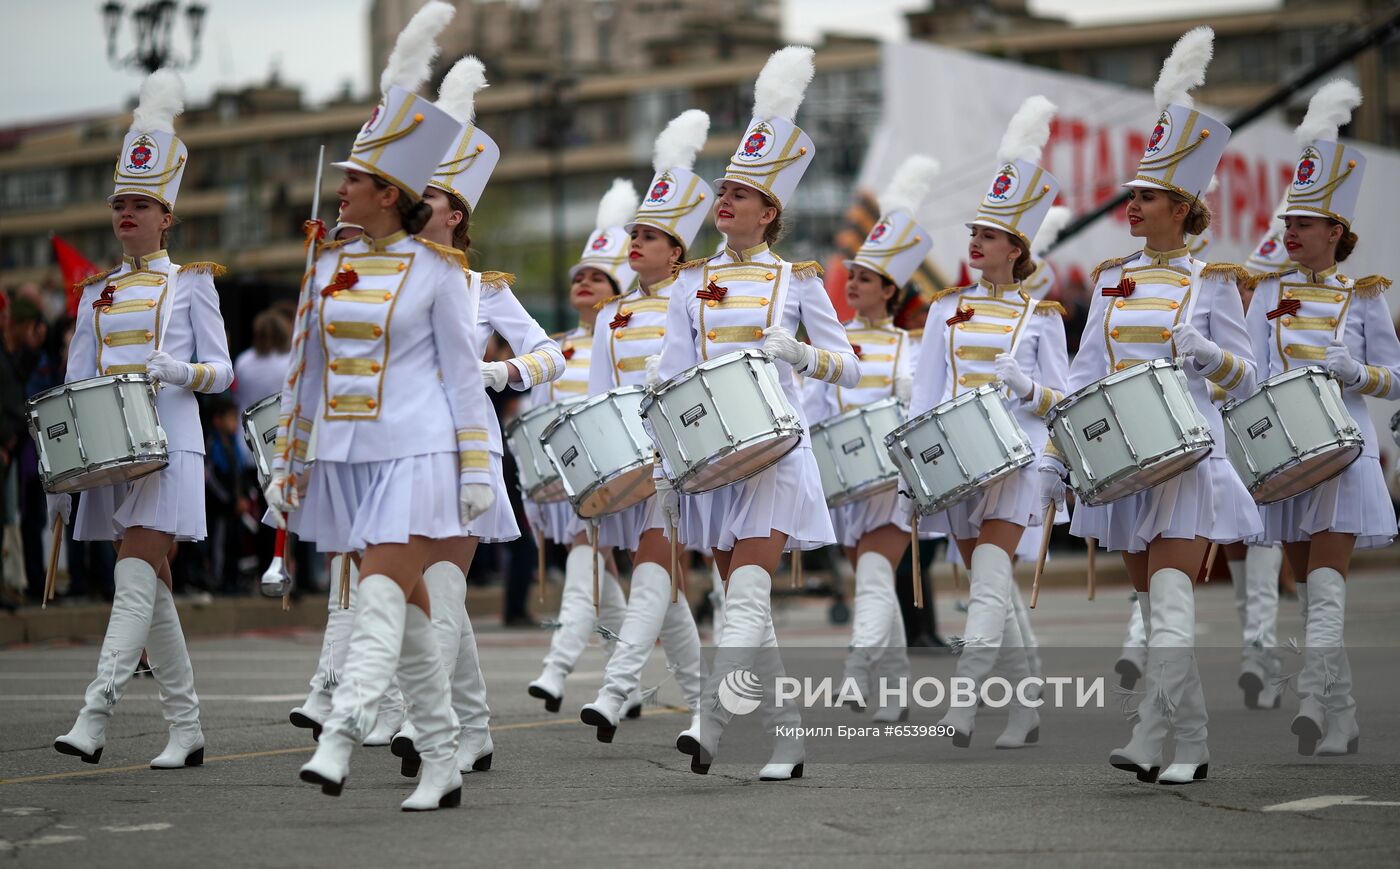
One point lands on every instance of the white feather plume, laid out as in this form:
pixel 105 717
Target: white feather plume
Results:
pixel 682 139
pixel 1056 219
pixel 457 94
pixel 162 98
pixel 910 184
pixel 617 205
pixel 1028 131
pixel 411 61
pixel 1328 111
pixel 783 82
pixel 1185 68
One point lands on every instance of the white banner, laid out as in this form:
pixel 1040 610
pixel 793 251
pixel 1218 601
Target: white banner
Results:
pixel 954 106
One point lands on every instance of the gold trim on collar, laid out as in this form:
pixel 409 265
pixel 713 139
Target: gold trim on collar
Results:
pixel 656 287
pixel 874 324
pixel 381 244
pixel 997 291
pixel 746 255
pixel 144 262
pixel 1164 257
pixel 1318 276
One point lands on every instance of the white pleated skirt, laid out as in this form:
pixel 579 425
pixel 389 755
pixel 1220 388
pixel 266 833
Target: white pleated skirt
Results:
pixel 497 524
pixel 787 497
pixel 1207 501
pixel 1014 498
pixel 851 522
pixel 170 500
pixel 350 506
pixel 1353 502
pixel 625 528
pixel 556 519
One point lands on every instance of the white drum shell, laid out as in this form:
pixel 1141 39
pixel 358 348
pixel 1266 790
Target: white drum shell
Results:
pixel 260 433
pixel 850 454
pixel 1293 434
pixel 959 447
pixel 97 432
pixel 1130 431
pixel 538 478
pixel 602 452
pixel 722 421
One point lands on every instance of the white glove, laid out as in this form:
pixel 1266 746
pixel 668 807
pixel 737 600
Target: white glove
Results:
pixel 475 499
pixel 60 505
pixel 779 343
pixel 1190 342
pixel 1052 485
pixel 1340 362
pixel 653 370
pixel 1009 373
pixel 903 388
pixel 282 497
pixel 670 502
pixel 164 368
pixel 495 375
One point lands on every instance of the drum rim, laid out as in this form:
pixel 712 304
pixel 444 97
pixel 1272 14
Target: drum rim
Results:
pixel 594 486
pixel 258 405
pixel 526 415
pixel 589 402
pixel 857 412
pixel 654 392
pixel 1064 404
pixel 680 480
pixel 1349 443
pixel 966 398
pixel 970 488
pixel 90 383
pixel 1205 449
pixel 869 490
pixel 1281 377
pixel 163 457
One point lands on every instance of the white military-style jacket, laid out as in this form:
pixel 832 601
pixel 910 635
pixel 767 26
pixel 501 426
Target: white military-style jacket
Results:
pixel 886 354
pixel 968 327
pixel 722 304
pixel 150 304
pixel 537 358
pixel 632 328
pixel 1135 303
pixel 1297 313
pixel 391 365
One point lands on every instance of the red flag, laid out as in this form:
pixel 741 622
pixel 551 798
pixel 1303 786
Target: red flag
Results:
pixel 836 277
pixel 75 268
pixel 964 276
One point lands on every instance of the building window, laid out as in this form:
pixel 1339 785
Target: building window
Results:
pixel 25 191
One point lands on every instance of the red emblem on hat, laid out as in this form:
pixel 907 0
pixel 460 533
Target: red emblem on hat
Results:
pixel 600 242
pixel 879 231
pixel 1001 185
pixel 1306 168
pixel 1156 139
pixel 659 190
pixel 1268 247
pixel 140 156
pixel 754 143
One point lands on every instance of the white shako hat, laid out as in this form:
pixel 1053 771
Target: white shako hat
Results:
pixel 1327 180
pixel 405 137
pixel 608 244
pixel 897 245
pixel 1042 280
pixel 473 155
pixel 677 202
pixel 152 159
pixel 1269 254
pixel 775 153
pixel 1022 192
pixel 1185 144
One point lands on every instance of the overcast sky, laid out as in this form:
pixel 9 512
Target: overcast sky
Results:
pixel 53 52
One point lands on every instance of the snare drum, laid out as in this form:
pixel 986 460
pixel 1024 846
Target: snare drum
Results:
pixel 538 479
pixel 260 433
pixel 1130 431
pixel 97 432
pixel 1395 428
pixel 722 421
pixel 849 454
pixel 961 446
pixel 602 453
pixel 1291 435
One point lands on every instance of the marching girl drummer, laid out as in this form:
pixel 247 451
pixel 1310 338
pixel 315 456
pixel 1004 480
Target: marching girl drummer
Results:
pixel 453 194
pixel 1138 313
pixel 982 334
pixel 148 316
pixel 875 531
pixel 1309 314
pixel 627 354
pixel 746 297
pixel 600 274
pixel 402 463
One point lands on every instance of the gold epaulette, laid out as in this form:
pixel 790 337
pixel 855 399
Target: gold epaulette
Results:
pixel 92 279
pixel 1252 282
pixel 690 264
pixel 948 291
pixel 1106 265
pixel 497 281
pixel 334 243
pixel 1371 285
pixel 451 254
pixel 598 306
pixel 1046 308
pixel 807 269
pixel 916 334
pixel 1228 270
pixel 207 268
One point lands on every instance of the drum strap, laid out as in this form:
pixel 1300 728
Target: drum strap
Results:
pixel 1022 327
pixel 1195 295
pixel 165 315
pixel 780 296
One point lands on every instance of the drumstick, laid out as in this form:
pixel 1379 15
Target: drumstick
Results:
pixel 1210 560
pixel 52 577
pixel 593 541
pixel 957 580
pixel 914 556
pixel 1040 560
pixel 675 562
pixel 539 545
pixel 1093 556
pixel 345 581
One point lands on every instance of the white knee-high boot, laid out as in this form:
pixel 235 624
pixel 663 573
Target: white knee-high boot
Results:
pixel 576 622
pixel 871 628
pixel 989 603
pixel 311 714
pixel 1133 659
pixel 128 627
pixel 893 667
pixel 1028 639
pixel 424 683
pixel 373 658
pixel 1324 685
pixel 1259 665
pixel 174 674
pixel 647 603
pixel 716 602
pixel 789 756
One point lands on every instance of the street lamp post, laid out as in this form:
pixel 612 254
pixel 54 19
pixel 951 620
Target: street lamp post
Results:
pixel 154 23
